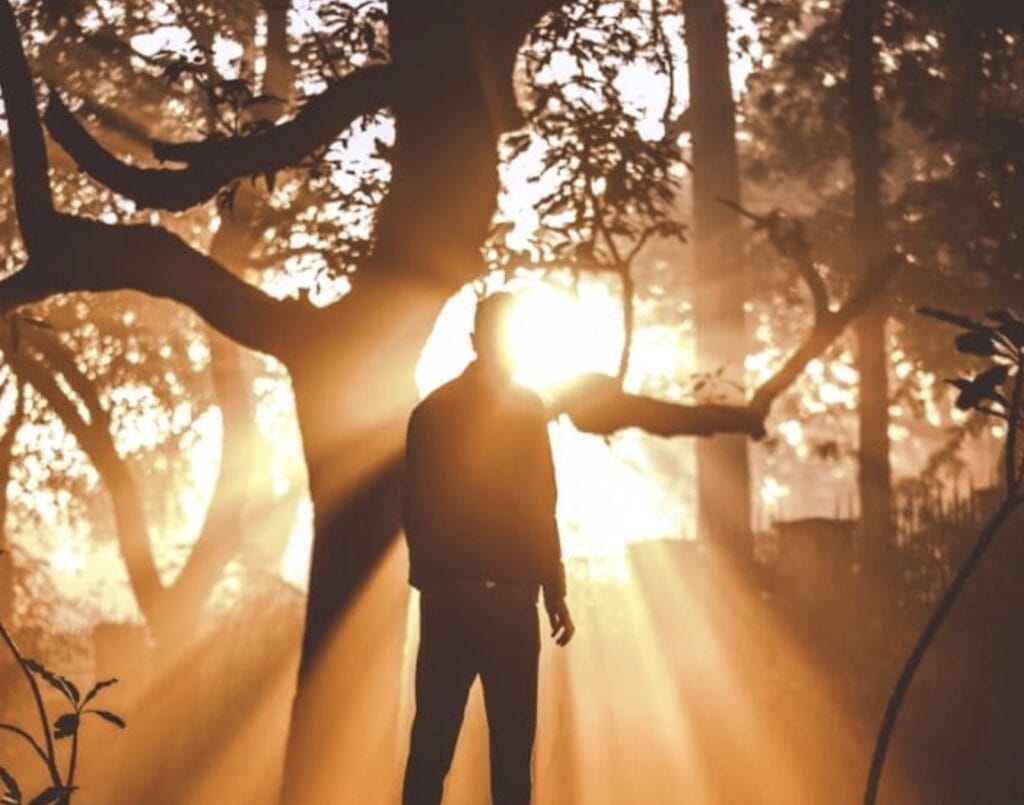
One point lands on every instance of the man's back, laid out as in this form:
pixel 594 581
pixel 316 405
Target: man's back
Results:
pixel 480 488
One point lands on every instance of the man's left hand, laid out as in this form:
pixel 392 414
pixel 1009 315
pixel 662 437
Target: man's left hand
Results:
pixel 562 627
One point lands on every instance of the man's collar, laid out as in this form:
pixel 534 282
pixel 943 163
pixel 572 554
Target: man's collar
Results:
pixel 478 372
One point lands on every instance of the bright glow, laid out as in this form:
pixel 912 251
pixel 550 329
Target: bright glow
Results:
pixel 772 491
pixel 556 335
pixel 609 495
pixel 68 560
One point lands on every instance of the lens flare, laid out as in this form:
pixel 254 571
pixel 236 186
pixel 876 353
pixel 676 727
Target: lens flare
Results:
pixel 556 335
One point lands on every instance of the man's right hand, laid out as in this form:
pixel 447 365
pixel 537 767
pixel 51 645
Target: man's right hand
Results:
pixel 562 627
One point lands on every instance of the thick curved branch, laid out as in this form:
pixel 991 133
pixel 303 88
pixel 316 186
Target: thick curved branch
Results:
pixel 214 163
pixel 85 255
pixel 95 439
pixel 827 326
pixel 598 405
pixel 32 198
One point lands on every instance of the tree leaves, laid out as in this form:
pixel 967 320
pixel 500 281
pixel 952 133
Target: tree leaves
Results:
pixel 977 342
pixel 65 726
pixel 106 715
pixel 12 793
pixel 1005 337
pixel 949 318
pixel 982 388
pixel 105 683
pixel 1002 343
pixel 1009 325
pixel 65 686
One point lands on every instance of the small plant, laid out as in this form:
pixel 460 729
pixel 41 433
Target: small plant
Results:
pixel 66 726
pixel 996 391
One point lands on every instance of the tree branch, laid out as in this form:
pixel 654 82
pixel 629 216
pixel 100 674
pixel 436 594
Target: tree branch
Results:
pixel 95 439
pixel 825 329
pixel 32 199
pixel 85 255
pixel 597 405
pixel 215 162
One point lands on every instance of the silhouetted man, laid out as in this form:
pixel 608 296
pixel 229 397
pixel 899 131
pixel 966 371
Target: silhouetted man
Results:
pixel 480 524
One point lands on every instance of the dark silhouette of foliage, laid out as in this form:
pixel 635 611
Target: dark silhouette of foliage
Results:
pixel 65 726
pixel 996 391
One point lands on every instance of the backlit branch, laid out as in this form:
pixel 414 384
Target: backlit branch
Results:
pixel 32 198
pixel 69 254
pixel 788 237
pixel 96 441
pixel 598 405
pixel 215 162
pixel 84 255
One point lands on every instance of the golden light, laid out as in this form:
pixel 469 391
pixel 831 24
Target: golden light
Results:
pixel 556 335
pixel 609 495
pixel 557 331
pixel 67 559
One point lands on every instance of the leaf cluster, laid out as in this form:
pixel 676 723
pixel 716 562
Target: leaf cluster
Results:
pixel 999 339
pixel 65 726
pixel 612 181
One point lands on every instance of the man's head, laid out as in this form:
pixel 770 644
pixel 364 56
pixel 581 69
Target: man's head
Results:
pixel 490 334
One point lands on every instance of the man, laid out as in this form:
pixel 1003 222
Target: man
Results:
pixel 480 525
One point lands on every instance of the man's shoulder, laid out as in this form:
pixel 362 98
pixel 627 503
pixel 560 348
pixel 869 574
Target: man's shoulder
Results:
pixel 436 399
pixel 460 392
pixel 526 397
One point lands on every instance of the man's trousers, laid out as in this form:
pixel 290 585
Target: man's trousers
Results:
pixel 466 630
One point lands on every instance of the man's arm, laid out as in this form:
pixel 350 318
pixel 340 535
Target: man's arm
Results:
pixel 553 582
pixel 412 477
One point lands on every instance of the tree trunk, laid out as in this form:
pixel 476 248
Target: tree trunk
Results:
pixel 7 574
pixel 244 464
pixel 867 250
pixel 241 463
pixel 723 472
pixel 452 63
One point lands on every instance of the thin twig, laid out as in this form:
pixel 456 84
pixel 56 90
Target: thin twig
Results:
pixel 44 719
pixel 28 737
pixel 73 755
pixel 928 634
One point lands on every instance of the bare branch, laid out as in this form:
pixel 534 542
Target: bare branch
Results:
pixel 598 405
pixel 790 240
pixel 84 255
pixel 96 441
pixel 213 163
pixel 32 198
pixel 826 328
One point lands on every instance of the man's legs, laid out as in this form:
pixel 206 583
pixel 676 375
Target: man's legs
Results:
pixel 509 677
pixel 444 674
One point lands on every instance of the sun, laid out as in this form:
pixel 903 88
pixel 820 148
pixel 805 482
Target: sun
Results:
pixel 557 331
pixel 557 334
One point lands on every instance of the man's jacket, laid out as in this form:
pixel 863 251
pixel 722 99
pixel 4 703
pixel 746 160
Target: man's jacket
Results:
pixel 479 487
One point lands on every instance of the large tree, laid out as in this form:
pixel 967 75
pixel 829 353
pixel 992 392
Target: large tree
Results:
pixel 720 292
pixel 449 87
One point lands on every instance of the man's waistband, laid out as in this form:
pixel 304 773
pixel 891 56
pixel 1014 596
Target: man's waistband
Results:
pixel 489 582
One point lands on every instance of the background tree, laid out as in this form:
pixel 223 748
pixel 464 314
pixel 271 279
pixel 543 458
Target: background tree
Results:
pixel 350 362
pixel 720 288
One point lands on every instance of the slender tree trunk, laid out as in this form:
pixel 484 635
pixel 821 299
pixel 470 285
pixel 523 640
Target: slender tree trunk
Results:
pixel 867 249
pixel 6 559
pixel 723 472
